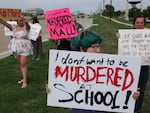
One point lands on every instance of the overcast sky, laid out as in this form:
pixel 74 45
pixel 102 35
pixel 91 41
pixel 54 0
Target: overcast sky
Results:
pixel 85 6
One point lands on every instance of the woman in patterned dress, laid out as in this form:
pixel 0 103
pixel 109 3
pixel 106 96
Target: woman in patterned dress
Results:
pixel 20 45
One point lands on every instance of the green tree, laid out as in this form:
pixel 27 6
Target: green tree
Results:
pixel 133 12
pixel 109 10
pixel 148 12
pixel 119 13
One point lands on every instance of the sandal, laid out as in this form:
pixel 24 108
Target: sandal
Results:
pixel 24 85
pixel 20 81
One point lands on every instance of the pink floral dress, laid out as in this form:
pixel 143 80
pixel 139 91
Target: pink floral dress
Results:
pixel 20 44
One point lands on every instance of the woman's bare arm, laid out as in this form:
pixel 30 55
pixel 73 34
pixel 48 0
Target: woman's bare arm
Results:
pixel 6 24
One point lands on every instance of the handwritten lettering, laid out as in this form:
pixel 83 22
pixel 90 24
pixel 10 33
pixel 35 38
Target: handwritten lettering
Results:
pixel 91 98
pixel 66 30
pixel 87 74
pixel 10 13
pixel 135 43
pixel 59 21
pixel 60 24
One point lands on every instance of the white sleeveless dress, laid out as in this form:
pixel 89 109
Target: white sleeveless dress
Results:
pixel 20 44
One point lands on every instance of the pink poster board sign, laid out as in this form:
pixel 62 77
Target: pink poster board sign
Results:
pixel 60 25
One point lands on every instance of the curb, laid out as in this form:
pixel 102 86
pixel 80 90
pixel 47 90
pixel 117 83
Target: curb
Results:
pixel 5 53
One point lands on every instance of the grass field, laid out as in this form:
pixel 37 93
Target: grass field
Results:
pixel 33 98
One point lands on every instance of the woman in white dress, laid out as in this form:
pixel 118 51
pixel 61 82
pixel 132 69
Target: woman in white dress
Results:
pixel 20 45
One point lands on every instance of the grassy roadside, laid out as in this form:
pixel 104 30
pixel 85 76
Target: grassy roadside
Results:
pixel 130 21
pixel 33 98
pixel 108 29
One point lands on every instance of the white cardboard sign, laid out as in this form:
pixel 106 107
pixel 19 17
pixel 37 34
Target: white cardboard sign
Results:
pixel 34 31
pixel 8 32
pixel 135 42
pixel 92 81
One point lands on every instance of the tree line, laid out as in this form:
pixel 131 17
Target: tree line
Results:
pixel 110 11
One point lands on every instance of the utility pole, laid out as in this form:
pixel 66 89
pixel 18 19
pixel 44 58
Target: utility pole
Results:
pixel 110 9
pixel 141 5
pixel 103 5
pixel 127 11
pixel 100 8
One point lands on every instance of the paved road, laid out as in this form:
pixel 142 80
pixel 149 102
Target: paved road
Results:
pixel 4 41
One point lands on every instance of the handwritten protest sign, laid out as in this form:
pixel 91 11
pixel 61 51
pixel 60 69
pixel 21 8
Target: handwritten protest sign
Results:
pixel 92 81
pixel 11 14
pixel 34 31
pixel 8 32
pixel 135 43
pixel 60 25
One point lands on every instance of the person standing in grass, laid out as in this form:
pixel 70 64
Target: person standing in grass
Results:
pixel 90 42
pixel 139 23
pixel 37 44
pixel 21 46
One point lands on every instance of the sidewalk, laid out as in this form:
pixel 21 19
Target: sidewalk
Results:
pixel 117 21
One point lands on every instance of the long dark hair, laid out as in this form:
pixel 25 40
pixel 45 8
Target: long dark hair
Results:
pixel 35 20
pixel 27 26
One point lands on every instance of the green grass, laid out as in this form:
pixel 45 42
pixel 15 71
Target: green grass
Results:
pixel 130 21
pixel 32 99
pixel 107 30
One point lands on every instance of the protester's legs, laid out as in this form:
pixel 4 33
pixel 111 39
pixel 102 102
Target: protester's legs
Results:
pixel 39 47
pixel 34 43
pixel 23 67
pixel 142 85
